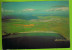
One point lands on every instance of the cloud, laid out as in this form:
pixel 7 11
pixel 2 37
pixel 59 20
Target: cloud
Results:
pixel 2 9
pixel 30 10
pixel 9 11
pixel 59 6
pixel 58 9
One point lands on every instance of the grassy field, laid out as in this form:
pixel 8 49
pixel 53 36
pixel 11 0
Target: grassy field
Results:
pixel 47 24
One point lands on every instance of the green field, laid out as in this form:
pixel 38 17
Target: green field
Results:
pixel 47 24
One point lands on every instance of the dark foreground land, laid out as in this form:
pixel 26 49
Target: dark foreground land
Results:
pixel 36 41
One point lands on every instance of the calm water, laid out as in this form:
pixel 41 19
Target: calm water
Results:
pixel 30 41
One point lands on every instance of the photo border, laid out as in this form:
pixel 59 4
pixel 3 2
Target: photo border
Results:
pixel 70 19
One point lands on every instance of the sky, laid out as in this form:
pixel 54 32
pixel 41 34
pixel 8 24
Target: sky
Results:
pixel 34 8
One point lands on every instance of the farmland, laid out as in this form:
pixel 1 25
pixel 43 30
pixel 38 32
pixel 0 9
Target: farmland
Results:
pixel 47 24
